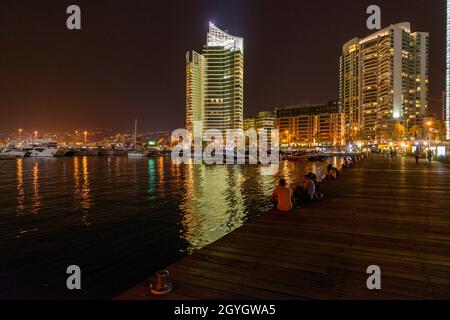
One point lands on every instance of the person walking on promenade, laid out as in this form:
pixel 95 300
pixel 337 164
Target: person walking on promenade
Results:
pixel 282 196
pixel 430 155
pixel 417 155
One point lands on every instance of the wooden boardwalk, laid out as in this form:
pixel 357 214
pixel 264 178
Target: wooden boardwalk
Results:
pixel 390 213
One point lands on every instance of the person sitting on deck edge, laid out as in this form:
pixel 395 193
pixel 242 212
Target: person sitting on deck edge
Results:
pixel 332 172
pixel 306 192
pixel 317 194
pixel 282 196
pixel 346 163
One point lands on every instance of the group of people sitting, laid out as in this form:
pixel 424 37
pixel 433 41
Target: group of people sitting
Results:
pixel 351 161
pixel 286 200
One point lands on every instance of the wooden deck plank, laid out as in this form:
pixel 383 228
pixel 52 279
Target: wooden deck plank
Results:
pixel 383 212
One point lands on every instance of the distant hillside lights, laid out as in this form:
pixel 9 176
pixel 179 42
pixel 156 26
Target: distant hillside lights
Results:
pixel 229 148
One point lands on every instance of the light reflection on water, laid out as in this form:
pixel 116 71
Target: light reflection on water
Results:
pixel 120 219
pixel 36 199
pixel 20 189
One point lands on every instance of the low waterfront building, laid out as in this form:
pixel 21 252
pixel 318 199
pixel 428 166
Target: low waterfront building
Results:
pixel 311 125
pixel 249 123
pixel 265 120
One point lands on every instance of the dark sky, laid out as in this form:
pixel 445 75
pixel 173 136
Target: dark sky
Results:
pixel 128 61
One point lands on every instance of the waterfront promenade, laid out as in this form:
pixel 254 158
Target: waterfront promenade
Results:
pixel 390 213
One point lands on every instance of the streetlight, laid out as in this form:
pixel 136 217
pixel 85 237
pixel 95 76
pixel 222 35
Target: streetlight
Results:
pixel 85 138
pixel 20 133
pixel 35 135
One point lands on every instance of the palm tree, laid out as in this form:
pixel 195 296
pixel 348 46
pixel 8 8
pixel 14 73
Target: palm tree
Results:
pixel 415 131
pixel 399 132
pixel 442 130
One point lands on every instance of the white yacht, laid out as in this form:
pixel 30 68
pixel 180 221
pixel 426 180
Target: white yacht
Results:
pixel 15 152
pixel 6 156
pixel 137 154
pixel 44 150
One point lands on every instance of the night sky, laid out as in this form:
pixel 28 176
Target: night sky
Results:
pixel 128 61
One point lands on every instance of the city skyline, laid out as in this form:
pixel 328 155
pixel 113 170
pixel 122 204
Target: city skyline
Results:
pixel 280 68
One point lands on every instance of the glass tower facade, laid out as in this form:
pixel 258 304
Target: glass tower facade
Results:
pixel 215 82
pixel 195 89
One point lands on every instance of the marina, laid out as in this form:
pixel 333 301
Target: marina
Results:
pixel 238 151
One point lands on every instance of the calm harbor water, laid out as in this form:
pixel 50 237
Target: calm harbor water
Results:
pixel 119 219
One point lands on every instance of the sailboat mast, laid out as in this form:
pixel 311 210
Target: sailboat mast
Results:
pixel 135 133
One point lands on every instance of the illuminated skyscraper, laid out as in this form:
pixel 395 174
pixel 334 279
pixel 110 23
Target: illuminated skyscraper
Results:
pixel 350 89
pixel 219 75
pixel 384 81
pixel 195 88
pixel 447 95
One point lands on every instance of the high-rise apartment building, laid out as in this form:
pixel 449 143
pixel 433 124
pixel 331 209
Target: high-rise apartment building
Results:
pixel 215 82
pixel 350 89
pixel 195 88
pixel 447 77
pixel 384 81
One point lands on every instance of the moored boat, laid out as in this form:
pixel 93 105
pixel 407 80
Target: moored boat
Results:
pixel 15 152
pixel 85 152
pixel 137 154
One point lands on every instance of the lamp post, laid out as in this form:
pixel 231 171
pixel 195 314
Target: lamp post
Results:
pixel 286 134
pixel 85 138
pixel 35 136
pixel 20 134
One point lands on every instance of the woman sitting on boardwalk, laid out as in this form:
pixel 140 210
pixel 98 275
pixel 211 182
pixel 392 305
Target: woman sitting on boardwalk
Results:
pixel 306 192
pixel 317 194
pixel 282 196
